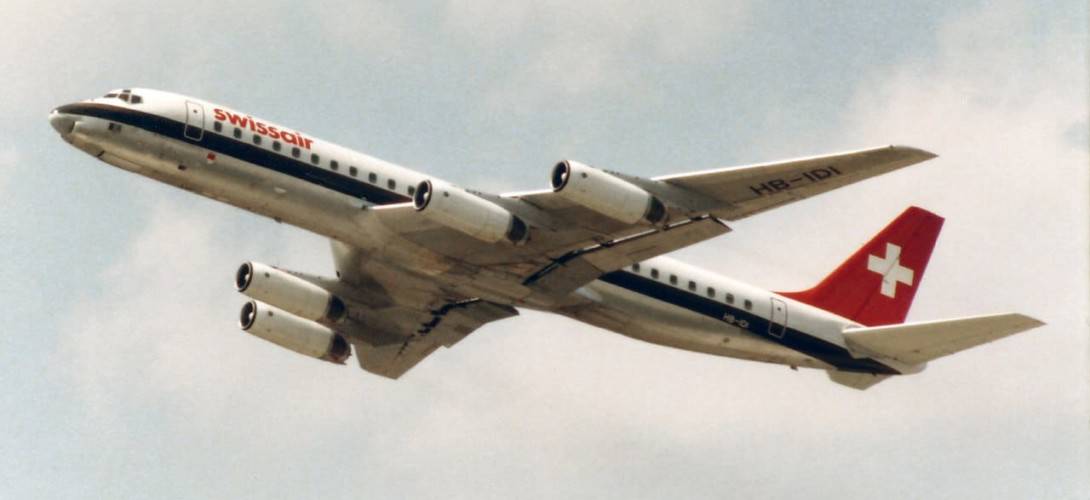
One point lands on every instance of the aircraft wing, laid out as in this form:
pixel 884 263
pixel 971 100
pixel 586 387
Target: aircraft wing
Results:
pixel 399 320
pixel 563 232
pixel 394 354
pixel 738 192
pixel 575 269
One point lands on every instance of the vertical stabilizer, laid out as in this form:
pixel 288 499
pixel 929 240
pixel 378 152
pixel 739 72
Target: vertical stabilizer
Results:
pixel 876 285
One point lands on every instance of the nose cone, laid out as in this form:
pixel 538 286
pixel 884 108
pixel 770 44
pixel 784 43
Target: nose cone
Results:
pixel 62 122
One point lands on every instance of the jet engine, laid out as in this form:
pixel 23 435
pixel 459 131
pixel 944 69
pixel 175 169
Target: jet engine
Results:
pixel 459 209
pixel 292 332
pixel 606 193
pixel 289 292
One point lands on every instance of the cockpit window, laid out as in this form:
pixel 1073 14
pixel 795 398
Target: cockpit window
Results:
pixel 125 95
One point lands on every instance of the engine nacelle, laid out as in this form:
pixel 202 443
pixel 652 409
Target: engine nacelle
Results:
pixel 288 292
pixel 605 193
pixel 459 209
pixel 292 332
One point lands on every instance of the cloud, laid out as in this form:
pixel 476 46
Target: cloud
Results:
pixel 678 31
pixel 1013 182
pixel 375 28
pixel 580 49
pixel 1013 187
pixel 162 329
pixel 9 160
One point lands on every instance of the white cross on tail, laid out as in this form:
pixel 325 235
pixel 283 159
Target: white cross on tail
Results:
pixel 891 270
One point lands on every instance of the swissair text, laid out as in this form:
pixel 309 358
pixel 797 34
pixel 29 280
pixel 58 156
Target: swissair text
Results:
pixel 270 131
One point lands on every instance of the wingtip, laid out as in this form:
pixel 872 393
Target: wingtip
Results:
pixel 1034 322
pixel 921 154
pixel 1027 322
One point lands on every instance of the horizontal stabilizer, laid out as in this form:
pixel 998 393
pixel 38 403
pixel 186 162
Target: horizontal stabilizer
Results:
pixel 917 343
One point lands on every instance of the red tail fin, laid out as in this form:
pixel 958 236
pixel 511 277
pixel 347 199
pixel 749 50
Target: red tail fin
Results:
pixel 875 286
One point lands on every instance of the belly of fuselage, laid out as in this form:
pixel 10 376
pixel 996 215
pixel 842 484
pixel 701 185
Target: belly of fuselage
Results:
pixel 648 319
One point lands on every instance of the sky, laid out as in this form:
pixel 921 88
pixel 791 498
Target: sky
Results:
pixel 125 375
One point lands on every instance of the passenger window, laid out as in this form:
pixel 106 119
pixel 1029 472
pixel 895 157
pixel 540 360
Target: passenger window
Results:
pixel 276 145
pixel 655 273
pixel 295 152
pixel 353 171
pixel 749 304
pixel 257 139
pixel 314 158
pixel 636 267
pixel 730 298
pixel 217 126
pixel 334 165
pixel 372 177
pixel 673 279
pixel 237 133
pixel 114 127
pixel 392 184
pixel 692 286
pixel 411 190
pixel 711 292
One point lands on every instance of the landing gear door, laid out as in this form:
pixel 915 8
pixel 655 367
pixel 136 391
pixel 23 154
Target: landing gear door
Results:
pixel 777 324
pixel 194 121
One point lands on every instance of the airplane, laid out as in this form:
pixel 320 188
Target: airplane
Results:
pixel 421 263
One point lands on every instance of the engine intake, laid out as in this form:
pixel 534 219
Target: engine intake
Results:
pixel 606 193
pixel 459 209
pixel 292 332
pixel 289 292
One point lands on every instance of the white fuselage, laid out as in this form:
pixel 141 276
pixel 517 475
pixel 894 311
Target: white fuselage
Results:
pixel 295 178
